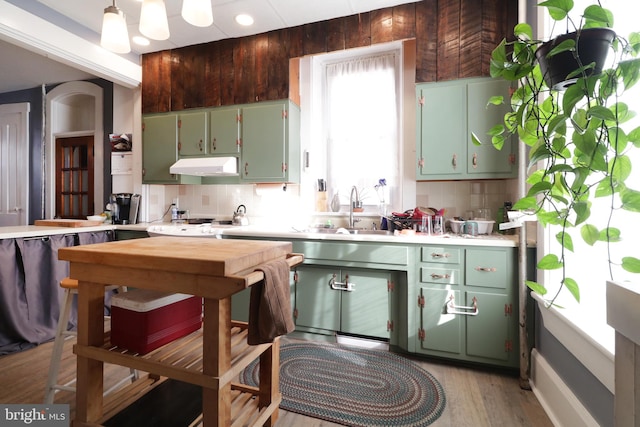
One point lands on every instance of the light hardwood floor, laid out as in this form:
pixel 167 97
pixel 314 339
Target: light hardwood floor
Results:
pixel 475 397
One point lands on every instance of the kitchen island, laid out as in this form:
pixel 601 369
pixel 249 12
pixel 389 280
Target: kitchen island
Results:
pixel 210 268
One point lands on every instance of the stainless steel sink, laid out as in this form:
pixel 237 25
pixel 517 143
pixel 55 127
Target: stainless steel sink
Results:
pixel 360 231
pixel 374 232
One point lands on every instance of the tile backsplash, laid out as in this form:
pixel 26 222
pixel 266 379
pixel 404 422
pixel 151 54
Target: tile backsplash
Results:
pixel 273 204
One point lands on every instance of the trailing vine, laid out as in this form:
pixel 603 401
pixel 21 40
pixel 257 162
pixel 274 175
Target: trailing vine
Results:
pixel 578 142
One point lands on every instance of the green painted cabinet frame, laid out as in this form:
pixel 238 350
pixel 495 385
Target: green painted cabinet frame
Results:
pixel 447 114
pixel 224 131
pixel 160 150
pixel 193 133
pixel 364 311
pixel 467 304
pixel 270 142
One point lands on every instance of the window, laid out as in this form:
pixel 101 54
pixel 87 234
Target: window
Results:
pixel 354 137
pixel 588 265
pixel 362 125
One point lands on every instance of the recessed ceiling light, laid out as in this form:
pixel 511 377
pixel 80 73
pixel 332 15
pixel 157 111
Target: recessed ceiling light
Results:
pixel 244 19
pixel 141 41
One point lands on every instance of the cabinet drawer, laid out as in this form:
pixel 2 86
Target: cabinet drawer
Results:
pixel 443 275
pixel 487 268
pixel 442 255
pixel 354 252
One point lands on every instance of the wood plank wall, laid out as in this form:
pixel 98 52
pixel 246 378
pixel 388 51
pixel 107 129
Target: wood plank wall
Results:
pixel 454 39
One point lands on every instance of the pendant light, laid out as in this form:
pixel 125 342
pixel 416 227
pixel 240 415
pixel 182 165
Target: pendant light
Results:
pixel 197 12
pixel 115 36
pixel 153 20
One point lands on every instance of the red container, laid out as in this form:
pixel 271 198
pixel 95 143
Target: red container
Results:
pixel 143 320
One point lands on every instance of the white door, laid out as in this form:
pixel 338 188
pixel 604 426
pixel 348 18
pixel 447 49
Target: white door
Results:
pixel 14 164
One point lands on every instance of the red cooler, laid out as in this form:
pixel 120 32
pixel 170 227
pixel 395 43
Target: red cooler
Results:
pixel 143 320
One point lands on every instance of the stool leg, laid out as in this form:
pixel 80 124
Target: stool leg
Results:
pixel 56 354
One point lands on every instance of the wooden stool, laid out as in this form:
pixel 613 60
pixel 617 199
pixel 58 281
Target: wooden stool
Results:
pixel 62 334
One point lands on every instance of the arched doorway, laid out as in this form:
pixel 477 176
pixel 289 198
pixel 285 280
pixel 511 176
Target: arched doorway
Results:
pixel 74 110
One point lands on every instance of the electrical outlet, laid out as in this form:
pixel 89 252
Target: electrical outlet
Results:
pixel 175 202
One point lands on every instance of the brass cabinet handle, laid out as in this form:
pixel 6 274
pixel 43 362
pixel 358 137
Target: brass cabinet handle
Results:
pixel 454 161
pixel 465 310
pixel 341 286
pixel 474 161
pixel 213 144
pixel 487 269
pixel 440 276
pixel 200 145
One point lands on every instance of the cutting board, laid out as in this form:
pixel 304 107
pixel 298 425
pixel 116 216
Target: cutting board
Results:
pixel 67 222
pixel 192 255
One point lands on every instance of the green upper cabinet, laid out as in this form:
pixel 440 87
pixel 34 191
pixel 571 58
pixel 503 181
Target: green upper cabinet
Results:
pixel 270 142
pixel 192 133
pixel 485 159
pixel 447 114
pixel 160 150
pixel 441 110
pixel 224 131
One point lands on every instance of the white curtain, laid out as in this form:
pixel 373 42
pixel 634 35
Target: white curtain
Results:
pixel 362 119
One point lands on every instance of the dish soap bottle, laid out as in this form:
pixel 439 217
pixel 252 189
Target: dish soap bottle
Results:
pixel 335 202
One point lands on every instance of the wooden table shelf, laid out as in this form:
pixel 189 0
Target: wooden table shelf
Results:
pixel 181 359
pixel 211 357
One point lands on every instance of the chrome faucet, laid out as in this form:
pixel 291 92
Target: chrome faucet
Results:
pixel 357 201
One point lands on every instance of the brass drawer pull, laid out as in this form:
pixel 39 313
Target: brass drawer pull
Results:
pixel 487 269
pixel 439 255
pixel 440 276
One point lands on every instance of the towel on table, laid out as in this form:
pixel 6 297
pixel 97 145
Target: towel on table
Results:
pixel 270 312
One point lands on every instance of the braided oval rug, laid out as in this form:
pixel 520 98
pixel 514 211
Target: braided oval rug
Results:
pixel 354 386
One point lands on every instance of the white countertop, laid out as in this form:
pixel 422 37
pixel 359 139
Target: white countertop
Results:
pixel 418 238
pixel 261 231
pixel 22 231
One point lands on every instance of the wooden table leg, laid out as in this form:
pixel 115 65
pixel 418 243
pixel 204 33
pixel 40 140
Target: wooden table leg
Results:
pixel 89 386
pixel 270 378
pixel 216 360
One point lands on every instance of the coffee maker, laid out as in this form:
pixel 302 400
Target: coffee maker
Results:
pixel 124 208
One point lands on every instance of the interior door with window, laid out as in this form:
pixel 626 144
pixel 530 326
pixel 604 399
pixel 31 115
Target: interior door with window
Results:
pixel 74 177
pixel 14 164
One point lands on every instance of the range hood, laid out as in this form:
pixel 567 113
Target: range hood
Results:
pixel 206 166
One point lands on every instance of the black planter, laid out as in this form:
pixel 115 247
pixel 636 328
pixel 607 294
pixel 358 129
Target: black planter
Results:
pixel 592 46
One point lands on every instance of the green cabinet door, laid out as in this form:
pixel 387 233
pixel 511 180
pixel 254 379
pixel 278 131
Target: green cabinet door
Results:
pixel 485 159
pixel 264 142
pixel 365 310
pixel 441 130
pixel 159 148
pixel 489 333
pixel 317 305
pixel 439 331
pixel 224 131
pixel 192 133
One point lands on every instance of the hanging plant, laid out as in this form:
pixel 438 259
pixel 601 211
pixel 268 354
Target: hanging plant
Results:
pixel 576 128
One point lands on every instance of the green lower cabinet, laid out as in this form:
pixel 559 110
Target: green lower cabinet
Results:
pixel 130 234
pixel 365 310
pixel 467 305
pixel 493 315
pixel 351 301
pixel 440 332
pixel 317 305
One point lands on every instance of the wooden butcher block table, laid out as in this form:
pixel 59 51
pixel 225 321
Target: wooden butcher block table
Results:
pixel 212 357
